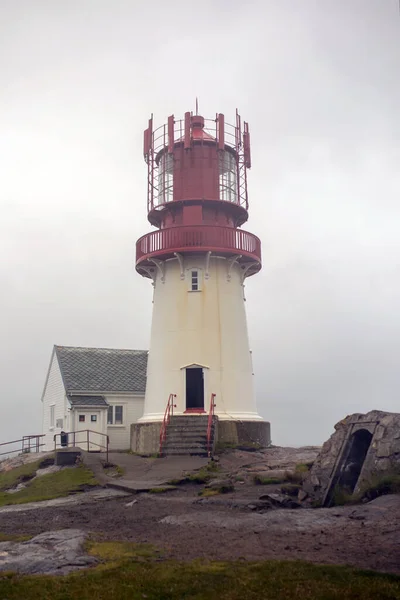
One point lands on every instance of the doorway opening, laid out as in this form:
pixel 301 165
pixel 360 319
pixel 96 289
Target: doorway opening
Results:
pixel 194 389
pixel 360 443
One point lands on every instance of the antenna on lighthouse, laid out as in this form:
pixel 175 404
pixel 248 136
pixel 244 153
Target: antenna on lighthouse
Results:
pixel 197 106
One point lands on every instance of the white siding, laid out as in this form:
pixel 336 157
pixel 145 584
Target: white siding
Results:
pixel 120 435
pixel 53 394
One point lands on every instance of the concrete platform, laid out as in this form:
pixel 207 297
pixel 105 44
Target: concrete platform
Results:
pixel 67 456
pixel 141 474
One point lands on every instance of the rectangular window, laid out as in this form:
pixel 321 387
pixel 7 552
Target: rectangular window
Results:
pixel 118 415
pixel 52 415
pixel 60 423
pixel 115 415
pixel 93 418
pixel 81 418
pixel 195 281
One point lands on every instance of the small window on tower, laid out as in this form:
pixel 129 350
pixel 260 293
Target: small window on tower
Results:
pixel 195 281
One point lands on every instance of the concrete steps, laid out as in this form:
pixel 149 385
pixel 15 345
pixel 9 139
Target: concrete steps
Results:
pixel 187 435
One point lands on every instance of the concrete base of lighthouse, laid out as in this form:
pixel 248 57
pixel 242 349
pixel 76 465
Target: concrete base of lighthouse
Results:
pixel 145 437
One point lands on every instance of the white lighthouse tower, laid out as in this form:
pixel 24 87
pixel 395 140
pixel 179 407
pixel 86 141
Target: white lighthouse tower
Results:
pixel 199 375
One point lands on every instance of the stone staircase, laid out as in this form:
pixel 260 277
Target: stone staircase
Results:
pixel 187 435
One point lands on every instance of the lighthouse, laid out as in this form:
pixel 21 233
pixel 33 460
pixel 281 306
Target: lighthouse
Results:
pixel 199 372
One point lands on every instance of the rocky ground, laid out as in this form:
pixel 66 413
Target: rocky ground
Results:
pixel 235 525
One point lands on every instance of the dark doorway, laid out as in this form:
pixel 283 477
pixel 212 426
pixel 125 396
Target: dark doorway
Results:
pixel 360 443
pixel 194 389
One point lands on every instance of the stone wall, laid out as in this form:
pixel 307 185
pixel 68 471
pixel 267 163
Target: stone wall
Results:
pixel 383 455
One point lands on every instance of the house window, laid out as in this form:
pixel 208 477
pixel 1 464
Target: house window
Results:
pixel 81 418
pixel 115 415
pixel 118 415
pixel 93 418
pixel 60 423
pixel 52 416
pixel 195 281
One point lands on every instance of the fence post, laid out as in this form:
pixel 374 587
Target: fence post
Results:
pixel 87 433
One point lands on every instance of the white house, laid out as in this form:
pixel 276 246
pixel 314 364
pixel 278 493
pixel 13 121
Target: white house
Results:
pixel 96 389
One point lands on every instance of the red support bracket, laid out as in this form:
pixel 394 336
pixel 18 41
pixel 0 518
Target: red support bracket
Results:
pixel 221 131
pixel 171 134
pixel 187 141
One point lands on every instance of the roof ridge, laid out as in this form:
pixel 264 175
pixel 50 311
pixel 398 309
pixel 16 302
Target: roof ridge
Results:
pixel 98 348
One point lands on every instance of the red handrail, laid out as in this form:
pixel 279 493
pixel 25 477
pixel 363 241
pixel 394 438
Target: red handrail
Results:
pixel 210 423
pixel 169 411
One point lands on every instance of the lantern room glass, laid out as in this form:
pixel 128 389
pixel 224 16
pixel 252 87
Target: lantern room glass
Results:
pixel 228 177
pixel 165 178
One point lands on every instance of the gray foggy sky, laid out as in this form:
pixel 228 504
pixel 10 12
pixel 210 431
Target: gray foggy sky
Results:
pixel 318 82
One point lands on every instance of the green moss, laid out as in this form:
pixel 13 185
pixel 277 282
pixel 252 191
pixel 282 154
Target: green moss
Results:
pixel 135 572
pixel 53 485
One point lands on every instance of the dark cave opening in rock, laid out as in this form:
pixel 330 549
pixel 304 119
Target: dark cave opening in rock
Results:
pixel 360 443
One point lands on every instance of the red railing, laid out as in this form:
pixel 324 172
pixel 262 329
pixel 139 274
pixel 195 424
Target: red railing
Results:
pixel 198 238
pixel 165 137
pixel 169 411
pixel 70 439
pixel 210 423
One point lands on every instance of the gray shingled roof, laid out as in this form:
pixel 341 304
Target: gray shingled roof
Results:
pixel 102 369
pixel 87 401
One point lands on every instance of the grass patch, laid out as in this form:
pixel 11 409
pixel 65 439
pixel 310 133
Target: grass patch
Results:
pixel 291 489
pixel 303 467
pixel 246 446
pixel 54 485
pixel 295 477
pixel 207 493
pixel 134 572
pixel 14 537
pixel 260 480
pixel 113 470
pixel 10 479
pixel 120 551
pixel 203 475
pixel 161 490
pixel 379 485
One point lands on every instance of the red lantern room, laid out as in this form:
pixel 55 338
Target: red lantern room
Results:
pixel 197 192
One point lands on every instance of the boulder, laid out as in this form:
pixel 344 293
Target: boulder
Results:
pixel 363 448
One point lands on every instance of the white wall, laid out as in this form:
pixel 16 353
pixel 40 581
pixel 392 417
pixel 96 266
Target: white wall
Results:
pixel 120 435
pixel 207 328
pixel 54 393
